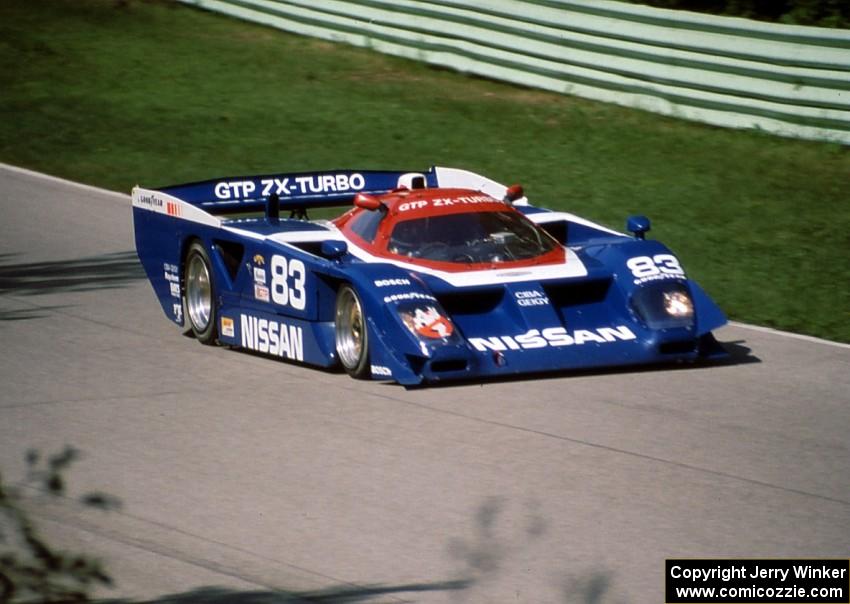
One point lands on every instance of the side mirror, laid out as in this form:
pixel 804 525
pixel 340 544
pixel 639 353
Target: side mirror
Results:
pixel 638 225
pixel 513 193
pixel 334 250
pixel 367 202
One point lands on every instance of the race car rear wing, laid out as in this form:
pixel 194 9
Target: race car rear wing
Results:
pixel 209 200
pixel 303 190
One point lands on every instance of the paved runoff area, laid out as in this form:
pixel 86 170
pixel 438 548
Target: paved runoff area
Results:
pixel 247 475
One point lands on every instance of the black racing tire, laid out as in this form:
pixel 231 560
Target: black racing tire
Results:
pixel 199 294
pixel 351 334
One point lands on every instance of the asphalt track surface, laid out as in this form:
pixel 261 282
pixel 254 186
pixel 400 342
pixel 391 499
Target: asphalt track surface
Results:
pixel 250 475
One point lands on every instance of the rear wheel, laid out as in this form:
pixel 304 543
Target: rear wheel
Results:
pixel 352 339
pixel 199 294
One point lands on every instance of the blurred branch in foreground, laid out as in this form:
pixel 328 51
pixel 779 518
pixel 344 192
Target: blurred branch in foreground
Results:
pixel 32 570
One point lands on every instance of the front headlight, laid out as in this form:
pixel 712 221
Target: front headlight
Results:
pixel 426 321
pixel 678 304
pixel 664 305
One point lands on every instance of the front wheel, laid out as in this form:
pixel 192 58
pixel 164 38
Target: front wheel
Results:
pixel 199 294
pixel 352 339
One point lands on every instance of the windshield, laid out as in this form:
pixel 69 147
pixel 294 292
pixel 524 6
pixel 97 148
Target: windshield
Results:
pixel 470 238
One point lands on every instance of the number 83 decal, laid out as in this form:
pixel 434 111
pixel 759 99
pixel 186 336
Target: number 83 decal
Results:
pixel 287 286
pixel 660 266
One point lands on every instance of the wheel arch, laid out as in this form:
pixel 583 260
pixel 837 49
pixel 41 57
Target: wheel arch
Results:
pixel 209 334
pixel 353 337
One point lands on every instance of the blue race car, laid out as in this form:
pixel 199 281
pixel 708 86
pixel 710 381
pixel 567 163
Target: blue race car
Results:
pixel 428 276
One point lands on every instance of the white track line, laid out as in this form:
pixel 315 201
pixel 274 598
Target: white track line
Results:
pixel 64 181
pixel 788 334
pixel 126 197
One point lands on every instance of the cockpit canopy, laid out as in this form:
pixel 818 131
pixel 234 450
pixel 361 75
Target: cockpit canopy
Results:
pixel 455 229
pixel 470 237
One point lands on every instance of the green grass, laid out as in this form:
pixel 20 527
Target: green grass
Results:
pixel 116 93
